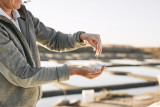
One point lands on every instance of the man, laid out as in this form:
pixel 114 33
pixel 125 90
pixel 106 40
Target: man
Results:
pixel 20 72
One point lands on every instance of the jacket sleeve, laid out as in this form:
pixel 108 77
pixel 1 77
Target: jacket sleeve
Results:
pixel 14 67
pixel 55 40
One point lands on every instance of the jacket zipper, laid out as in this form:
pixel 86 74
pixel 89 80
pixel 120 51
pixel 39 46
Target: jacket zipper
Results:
pixel 26 44
pixel 20 35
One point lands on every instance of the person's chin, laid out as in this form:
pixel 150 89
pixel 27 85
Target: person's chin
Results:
pixel 17 7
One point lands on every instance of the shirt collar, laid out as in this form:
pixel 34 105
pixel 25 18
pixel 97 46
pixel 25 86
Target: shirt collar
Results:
pixel 14 13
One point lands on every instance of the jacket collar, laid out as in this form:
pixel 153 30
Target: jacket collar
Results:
pixel 23 12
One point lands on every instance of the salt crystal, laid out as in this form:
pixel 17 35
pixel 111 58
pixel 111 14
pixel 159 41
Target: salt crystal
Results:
pixel 96 65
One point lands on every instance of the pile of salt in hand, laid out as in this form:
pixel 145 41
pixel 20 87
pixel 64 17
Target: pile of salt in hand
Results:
pixel 98 64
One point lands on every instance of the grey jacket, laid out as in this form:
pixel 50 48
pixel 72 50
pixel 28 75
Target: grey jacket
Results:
pixel 20 72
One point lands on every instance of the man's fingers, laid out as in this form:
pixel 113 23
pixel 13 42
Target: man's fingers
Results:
pixel 99 48
pixel 98 40
pixel 94 71
pixel 95 75
pixel 97 71
pixel 103 68
pixel 94 40
pixel 92 44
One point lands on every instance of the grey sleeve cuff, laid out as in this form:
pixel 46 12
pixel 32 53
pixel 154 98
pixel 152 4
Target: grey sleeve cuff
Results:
pixel 77 38
pixel 63 73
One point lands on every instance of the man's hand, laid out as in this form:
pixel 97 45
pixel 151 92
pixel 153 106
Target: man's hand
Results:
pixel 86 72
pixel 93 40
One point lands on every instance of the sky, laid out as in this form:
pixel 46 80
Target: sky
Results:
pixel 119 22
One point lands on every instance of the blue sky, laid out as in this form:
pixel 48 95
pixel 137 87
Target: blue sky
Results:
pixel 123 22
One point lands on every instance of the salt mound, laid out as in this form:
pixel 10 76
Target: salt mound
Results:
pixel 96 65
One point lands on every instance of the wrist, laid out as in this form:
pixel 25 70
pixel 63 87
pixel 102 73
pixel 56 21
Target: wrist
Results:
pixel 73 70
pixel 82 36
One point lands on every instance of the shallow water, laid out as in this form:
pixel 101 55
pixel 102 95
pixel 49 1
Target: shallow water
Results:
pixel 47 102
pixel 146 71
pixel 127 61
pixel 104 79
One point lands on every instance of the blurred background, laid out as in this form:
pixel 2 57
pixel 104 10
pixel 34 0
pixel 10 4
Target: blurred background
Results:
pixel 130 33
pixel 124 22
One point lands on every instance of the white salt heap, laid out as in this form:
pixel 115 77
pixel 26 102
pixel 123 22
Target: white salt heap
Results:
pixel 96 65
